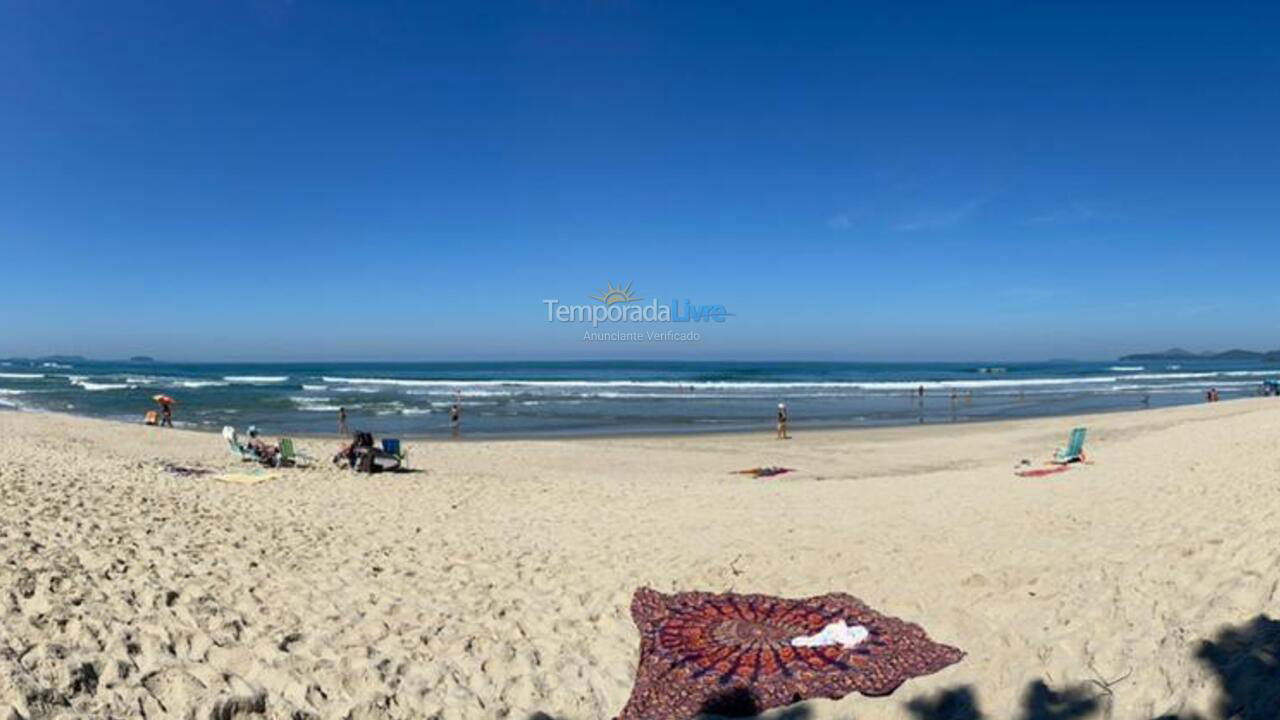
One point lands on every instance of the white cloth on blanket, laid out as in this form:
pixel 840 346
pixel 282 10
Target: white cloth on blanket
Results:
pixel 836 633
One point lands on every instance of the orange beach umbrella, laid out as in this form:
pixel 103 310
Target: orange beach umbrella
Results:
pixel 163 399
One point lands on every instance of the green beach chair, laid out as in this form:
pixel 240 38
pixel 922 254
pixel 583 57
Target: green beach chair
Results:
pixel 1074 451
pixel 290 456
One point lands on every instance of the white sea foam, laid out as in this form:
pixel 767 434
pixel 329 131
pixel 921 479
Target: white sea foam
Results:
pixel 670 388
pixel 55 365
pixel 1252 373
pixel 315 387
pixel 174 382
pixel 473 386
pixel 318 408
pixel 310 399
pixel 100 387
pixel 83 382
pixel 404 411
pixel 411 383
pixel 255 379
pixel 1169 376
pixel 9 391
pixel 1126 368
pixel 22 376
pixel 193 384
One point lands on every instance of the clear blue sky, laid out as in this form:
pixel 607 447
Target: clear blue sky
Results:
pixel 408 180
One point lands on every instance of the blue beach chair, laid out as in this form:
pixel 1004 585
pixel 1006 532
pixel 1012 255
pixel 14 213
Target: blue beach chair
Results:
pixel 391 446
pixel 1074 451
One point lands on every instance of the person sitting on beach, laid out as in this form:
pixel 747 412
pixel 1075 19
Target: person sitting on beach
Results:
pixel 350 453
pixel 266 453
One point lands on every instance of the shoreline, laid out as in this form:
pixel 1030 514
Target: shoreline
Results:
pixel 764 429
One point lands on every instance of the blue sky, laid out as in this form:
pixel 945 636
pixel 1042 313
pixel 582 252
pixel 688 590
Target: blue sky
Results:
pixel 407 180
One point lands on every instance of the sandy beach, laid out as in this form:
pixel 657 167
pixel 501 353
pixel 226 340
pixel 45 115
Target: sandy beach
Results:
pixel 495 580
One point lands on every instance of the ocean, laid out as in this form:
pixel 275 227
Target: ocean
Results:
pixel 600 398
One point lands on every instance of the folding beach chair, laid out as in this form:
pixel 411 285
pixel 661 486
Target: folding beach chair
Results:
pixel 289 455
pixel 233 443
pixel 1074 451
pixel 392 446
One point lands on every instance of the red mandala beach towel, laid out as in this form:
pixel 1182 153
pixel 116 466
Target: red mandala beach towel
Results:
pixel 730 654
pixel 1042 472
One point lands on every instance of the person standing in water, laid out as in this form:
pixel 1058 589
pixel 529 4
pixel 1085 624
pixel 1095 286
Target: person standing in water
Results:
pixel 783 419
pixel 455 417
pixel 343 429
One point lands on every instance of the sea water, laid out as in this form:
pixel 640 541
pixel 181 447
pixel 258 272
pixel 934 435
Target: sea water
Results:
pixel 589 398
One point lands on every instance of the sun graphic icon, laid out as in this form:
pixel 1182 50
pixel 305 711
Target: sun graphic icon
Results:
pixel 613 295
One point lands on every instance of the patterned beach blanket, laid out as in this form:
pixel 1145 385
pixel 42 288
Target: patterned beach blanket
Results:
pixel 730 654
pixel 1041 472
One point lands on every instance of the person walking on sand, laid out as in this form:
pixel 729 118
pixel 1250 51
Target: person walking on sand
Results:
pixel 343 429
pixel 166 410
pixel 783 419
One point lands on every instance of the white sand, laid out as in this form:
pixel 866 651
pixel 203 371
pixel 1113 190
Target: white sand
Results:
pixel 496 583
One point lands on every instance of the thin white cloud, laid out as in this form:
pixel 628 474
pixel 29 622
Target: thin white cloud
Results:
pixel 938 219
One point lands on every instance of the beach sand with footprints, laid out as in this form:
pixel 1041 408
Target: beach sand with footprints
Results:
pixel 495 580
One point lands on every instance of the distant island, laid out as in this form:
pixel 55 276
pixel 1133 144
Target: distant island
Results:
pixel 1181 354
pixel 142 359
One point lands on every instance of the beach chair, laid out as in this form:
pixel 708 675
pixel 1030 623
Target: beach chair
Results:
pixel 290 456
pixel 233 443
pixel 392 446
pixel 1074 451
